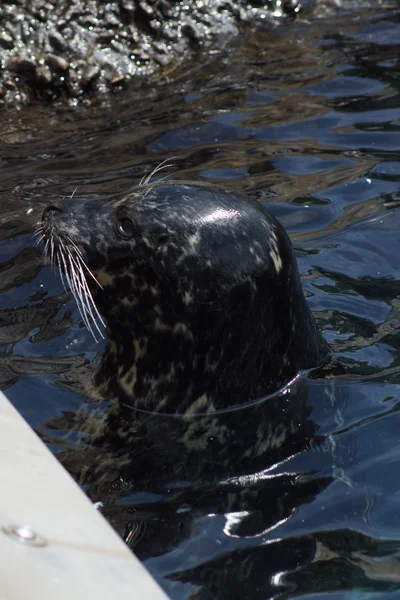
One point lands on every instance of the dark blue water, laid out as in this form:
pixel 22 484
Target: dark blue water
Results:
pixel 304 118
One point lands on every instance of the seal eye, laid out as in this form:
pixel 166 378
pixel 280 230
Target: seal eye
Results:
pixel 125 228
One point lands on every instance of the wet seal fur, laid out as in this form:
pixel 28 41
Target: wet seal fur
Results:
pixel 199 291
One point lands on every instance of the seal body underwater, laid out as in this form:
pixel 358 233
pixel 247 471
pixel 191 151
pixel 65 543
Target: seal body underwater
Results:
pixel 199 291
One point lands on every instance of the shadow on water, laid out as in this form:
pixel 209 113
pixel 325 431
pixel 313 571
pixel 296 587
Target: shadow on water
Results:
pixel 297 494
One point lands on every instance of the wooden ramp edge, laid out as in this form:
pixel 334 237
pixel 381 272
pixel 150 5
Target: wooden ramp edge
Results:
pixel 54 544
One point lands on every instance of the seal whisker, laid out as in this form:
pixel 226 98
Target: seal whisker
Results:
pixel 76 288
pixel 78 263
pixel 75 247
pixel 61 272
pixel 63 263
pixel 91 275
pixel 40 238
pixel 76 291
pixel 46 251
pixel 52 250
pixel 64 252
pixel 90 303
pixel 151 186
pixel 159 168
pixel 163 165
pixel 38 235
pixel 82 262
pixel 85 295
pixel 70 275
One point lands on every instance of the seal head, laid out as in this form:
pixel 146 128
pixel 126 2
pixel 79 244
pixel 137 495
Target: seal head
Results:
pixel 199 291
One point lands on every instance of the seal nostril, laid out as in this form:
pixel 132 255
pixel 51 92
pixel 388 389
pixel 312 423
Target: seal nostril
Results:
pixel 51 210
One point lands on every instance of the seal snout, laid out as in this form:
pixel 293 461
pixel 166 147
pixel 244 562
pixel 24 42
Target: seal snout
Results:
pixel 52 208
pixel 50 212
pixel 66 222
pixel 50 219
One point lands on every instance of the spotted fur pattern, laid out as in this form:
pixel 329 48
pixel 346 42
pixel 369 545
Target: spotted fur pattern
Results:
pixel 200 294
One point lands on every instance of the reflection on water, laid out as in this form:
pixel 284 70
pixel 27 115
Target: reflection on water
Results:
pixel 304 118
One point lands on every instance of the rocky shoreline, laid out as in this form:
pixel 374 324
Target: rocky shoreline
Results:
pixel 77 49
pixel 74 50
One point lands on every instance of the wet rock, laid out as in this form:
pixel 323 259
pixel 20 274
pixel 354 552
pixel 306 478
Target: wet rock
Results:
pixel 88 21
pixel 111 20
pixel 89 76
pixel 6 40
pixel 193 33
pixel 9 84
pixel 162 59
pixel 127 10
pixel 24 66
pixel 116 80
pixel 56 63
pixel 57 41
pixel 135 36
pixel 44 75
pixel 87 47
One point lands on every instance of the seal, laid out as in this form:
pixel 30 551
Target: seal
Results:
pixel 199 292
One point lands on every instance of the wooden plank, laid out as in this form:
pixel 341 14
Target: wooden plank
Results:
pixel 54 544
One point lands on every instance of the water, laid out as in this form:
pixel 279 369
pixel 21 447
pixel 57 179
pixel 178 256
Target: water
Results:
pixel 306 119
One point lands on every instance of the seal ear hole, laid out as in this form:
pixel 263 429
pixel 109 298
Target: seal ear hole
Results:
pixel 125 228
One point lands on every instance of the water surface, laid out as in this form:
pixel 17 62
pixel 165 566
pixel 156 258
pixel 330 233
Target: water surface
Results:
pixel 304 118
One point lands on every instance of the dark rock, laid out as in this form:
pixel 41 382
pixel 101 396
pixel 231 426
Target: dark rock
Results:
pixel 88 21
pixel 127 11
pixel 162 59
pixel 9 84
pixel 89 76
pixel 24 66
pixel 6 40
pixel 110 19
pixel 193 33
pixel 44 75
pixel 116 79
pixel 57 41
pixel 56 63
